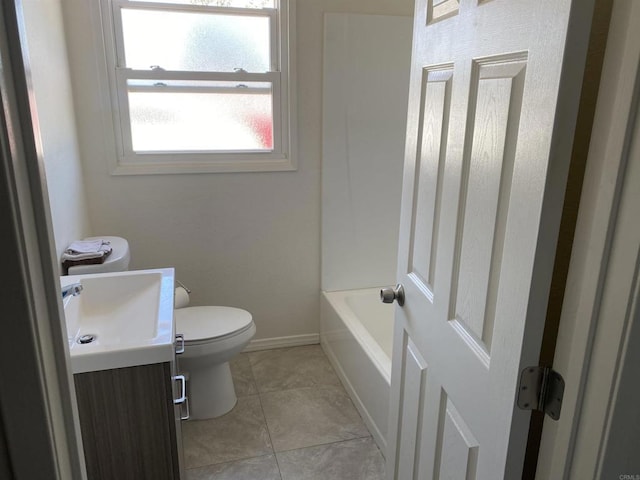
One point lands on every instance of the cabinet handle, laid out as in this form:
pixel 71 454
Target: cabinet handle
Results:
pixel 179 343
pixel 188 414
pixel 183 389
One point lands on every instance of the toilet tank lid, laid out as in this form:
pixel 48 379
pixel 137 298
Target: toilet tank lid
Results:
pixel 201 323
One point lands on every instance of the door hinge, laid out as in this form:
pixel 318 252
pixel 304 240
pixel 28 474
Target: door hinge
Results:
pixel 541 388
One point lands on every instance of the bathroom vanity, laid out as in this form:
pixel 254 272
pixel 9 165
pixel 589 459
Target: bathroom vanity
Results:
pixel 129 422
pixel 122 344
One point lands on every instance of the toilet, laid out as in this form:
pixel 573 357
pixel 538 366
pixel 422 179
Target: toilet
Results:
pixel 212 337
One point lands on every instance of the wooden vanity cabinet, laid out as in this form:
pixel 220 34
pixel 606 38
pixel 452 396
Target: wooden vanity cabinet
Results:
pixel 130 425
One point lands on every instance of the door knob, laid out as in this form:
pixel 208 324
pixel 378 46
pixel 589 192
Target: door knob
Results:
pixel 389 294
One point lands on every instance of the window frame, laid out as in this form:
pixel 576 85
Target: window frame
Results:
pixel 280 76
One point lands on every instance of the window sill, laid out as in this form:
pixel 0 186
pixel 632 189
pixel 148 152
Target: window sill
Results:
pixel 235 165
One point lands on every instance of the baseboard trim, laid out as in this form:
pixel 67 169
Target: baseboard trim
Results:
pixel 282 342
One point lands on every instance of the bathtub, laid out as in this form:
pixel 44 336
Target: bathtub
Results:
pixel 356 332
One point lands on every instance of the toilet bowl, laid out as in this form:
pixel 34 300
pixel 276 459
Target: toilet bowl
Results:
pixel 212 336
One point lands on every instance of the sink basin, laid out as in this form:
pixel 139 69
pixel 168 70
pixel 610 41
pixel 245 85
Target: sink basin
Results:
pixel 125 318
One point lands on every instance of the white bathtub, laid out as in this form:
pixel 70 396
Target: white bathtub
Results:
pixel 356 332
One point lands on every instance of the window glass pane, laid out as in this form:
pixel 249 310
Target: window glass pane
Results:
pixel 200 116
pixel 194 41
pixel 222 3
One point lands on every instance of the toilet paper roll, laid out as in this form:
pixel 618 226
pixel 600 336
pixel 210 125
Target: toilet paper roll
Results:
pixel 181 298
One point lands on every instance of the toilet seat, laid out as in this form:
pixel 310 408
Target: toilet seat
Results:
pixel 207 324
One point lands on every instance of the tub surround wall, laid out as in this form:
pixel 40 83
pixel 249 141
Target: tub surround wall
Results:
pixel 366 79
pixel 366 87
pixel 250 240
pixel 54 103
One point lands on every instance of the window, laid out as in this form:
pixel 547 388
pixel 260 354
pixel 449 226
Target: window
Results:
pixel 200 85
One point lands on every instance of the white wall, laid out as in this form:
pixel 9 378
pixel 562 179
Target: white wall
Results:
pixel 251 239
pixel 54 103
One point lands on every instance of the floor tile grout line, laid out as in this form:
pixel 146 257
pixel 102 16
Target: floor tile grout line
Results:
pixel 283 349
pixel 325 444
pixel 337 385
pixel 235 460
pixel 275 454
pixel 250 377
pixel 266 424
pixel 229 462
pixel 340 386
pixel 317 385
pixel 242 457
pixel 253 375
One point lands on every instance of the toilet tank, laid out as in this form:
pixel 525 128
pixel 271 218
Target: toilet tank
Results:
pixel 117 261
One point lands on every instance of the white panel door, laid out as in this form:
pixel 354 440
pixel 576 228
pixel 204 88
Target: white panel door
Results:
pixel 493 99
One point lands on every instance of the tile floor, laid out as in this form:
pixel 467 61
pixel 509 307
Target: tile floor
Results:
pixel 293 421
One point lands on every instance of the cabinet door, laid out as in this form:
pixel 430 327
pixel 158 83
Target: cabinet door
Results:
pixel 128 423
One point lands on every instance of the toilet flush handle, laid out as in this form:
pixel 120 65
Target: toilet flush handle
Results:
pixel 183 286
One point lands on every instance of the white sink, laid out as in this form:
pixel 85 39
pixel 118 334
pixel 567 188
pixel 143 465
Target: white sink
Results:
pixel 129 315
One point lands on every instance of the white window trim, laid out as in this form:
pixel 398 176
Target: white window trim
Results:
pixel 282 76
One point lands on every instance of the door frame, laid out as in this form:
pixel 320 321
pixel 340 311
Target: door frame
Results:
pixel 39 430
pixel 583 334
pixel 31 238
